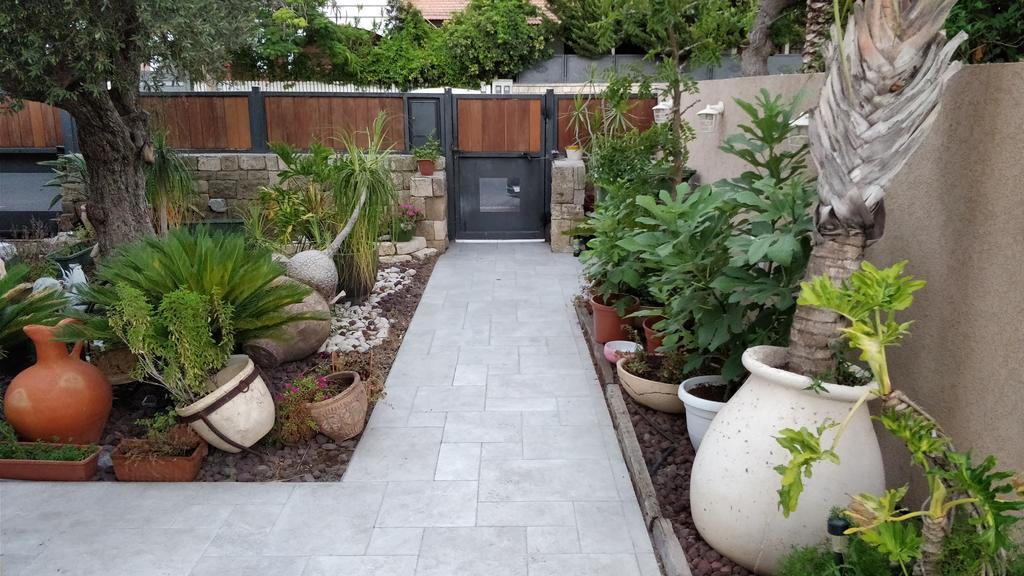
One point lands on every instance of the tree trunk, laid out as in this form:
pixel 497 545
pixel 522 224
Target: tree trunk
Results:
pixel 933 535
pixel 814 329
pixel 759 44
pixel 819 19
pixel 112 137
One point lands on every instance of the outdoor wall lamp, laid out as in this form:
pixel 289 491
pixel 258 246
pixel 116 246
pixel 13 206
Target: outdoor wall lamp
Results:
pixel 662 111
pixel 802 124
pixel 709 117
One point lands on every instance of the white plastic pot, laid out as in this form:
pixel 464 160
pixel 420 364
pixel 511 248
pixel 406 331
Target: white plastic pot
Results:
pixel 661 396
pixel 699 412
pixel 576 154
pixel 244 418
pixel 733 483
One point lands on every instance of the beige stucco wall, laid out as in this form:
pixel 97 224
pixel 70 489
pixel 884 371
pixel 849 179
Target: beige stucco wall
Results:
pixel 956 212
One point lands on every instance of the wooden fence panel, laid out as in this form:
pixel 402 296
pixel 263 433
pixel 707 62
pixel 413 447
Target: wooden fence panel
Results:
pixel 499 125
pixel 301 120
pixel 641 115
pixel 36 125
pixel 202 122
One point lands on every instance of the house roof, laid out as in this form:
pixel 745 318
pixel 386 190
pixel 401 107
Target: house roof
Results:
pixel 443 9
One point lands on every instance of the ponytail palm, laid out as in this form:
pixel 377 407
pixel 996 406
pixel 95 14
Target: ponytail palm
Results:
pixel 882 93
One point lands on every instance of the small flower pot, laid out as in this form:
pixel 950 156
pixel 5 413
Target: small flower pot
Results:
pixel 618 349
pixel 699 410
pixel 51 470
pixel 153 468
pixel 426 167
pixel 344 415
pixel 402 235
pixel 661 396
pixel 652 337
pixel 574 154
pixel 608 324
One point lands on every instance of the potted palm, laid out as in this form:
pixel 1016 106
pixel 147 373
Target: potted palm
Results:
pixel 426 155
pixel 892 64
pixel 168 452
pixel 180 304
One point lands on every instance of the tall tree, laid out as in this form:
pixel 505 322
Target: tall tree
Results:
pixel 819 18
pixel 759 40
pixel 86 56
pixel 883 91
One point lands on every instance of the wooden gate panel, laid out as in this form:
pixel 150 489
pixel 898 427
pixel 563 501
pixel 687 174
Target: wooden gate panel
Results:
pixel 501 125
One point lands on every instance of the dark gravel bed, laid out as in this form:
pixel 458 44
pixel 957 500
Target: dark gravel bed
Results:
pixel 318 460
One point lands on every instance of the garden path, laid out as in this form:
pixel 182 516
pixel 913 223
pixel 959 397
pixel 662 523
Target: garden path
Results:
pixel 492 454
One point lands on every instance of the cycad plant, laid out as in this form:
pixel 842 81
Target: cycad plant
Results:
pixel 363 179
pixel 169 187
pixel 202 264
pixel 883 90
pixel 20 307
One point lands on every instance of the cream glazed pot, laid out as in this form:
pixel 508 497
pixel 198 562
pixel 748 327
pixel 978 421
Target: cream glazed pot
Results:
pixel 733 483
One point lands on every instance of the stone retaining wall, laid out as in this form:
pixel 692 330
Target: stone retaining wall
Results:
pixel 568 189
pixel 228 182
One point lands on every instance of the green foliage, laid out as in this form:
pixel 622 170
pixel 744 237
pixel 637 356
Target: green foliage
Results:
pixel 899 541
pixel 591 28
pixel 430 150
pixel 805 448
pixel 860 559
pixel 995 30
pixel 179 344
pixel 203 264
pixel 764 143
pixel 628 160
pixel 63 51
pixel 494 39
pixel 702 31
pixel 869 300
pixel 169 187
pixel 49 452
pixel 20 307
pixel 411 53
pixel 996 494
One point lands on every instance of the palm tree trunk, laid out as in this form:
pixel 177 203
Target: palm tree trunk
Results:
pixel 933 535
pixel 819 18
pixel 814 329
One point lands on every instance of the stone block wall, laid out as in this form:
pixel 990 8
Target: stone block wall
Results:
pixel 226 183
pixel 568 189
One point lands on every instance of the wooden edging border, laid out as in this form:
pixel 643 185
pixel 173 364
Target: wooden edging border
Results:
pixel 666 545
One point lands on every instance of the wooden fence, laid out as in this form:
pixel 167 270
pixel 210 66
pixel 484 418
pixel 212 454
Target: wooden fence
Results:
pixel 300 120
pixel 36 125
pixel 202 122
pixel 641 116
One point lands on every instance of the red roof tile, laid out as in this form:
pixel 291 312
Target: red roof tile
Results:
pixel 443 9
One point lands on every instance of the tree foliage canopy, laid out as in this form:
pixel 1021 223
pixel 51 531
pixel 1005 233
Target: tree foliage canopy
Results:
pixel 53 50
pixel 995 27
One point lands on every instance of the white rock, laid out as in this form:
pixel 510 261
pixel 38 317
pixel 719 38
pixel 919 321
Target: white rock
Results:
pixel 425 253
pixel 417 243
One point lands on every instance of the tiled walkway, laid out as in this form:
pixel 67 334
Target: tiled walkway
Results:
pixel 493 455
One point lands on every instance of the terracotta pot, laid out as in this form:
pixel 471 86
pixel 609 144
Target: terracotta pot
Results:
pixel 158 468
pixel 652 337
pixel 662 396
pixel 240 408
pixel 733 485
pixel 608 325
pixel 61 398
pixel 344 415
pixel 50 470
pixel 426 167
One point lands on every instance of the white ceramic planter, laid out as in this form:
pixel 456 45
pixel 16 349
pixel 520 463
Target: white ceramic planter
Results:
pixel 733 484
pixel 245 418
pixel 661 396
pixel 699 412
pixel 576 154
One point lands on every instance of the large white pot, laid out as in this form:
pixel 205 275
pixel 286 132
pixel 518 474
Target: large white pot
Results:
pixel 241 408
pixel 733 483
pixel 661 396
pixel 699 412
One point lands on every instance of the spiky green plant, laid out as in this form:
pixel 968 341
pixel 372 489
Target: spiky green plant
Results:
pixel 20 307
pixel 203 263
pixel 169 187
pixel 358 170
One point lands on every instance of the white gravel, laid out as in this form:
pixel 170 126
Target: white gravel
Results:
pixel 358 328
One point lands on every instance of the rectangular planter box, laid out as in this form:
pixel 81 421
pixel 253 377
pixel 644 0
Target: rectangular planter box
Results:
pixel 50 470
pixel 163 469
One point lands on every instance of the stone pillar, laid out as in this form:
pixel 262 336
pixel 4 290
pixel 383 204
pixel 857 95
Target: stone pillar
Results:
pixel 568 189
pixel 432 192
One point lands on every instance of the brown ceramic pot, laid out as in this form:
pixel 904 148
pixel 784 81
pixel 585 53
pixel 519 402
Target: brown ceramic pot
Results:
pixel 344 415
pixel 608 325
pixel 426 167
pixel 652 337
pixel 61 398
pixel 158 468
pixel 50 470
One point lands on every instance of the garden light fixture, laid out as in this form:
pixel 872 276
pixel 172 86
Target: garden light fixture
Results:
pixel 709 117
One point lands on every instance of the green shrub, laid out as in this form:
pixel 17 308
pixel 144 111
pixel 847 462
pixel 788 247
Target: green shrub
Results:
pixel 20 307
pixel 860 559
pixel 430 150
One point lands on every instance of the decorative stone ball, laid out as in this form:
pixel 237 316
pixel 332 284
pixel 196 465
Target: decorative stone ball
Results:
pixel 316 270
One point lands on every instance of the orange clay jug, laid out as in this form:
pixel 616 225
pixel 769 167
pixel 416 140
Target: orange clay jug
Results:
pixel 61 398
